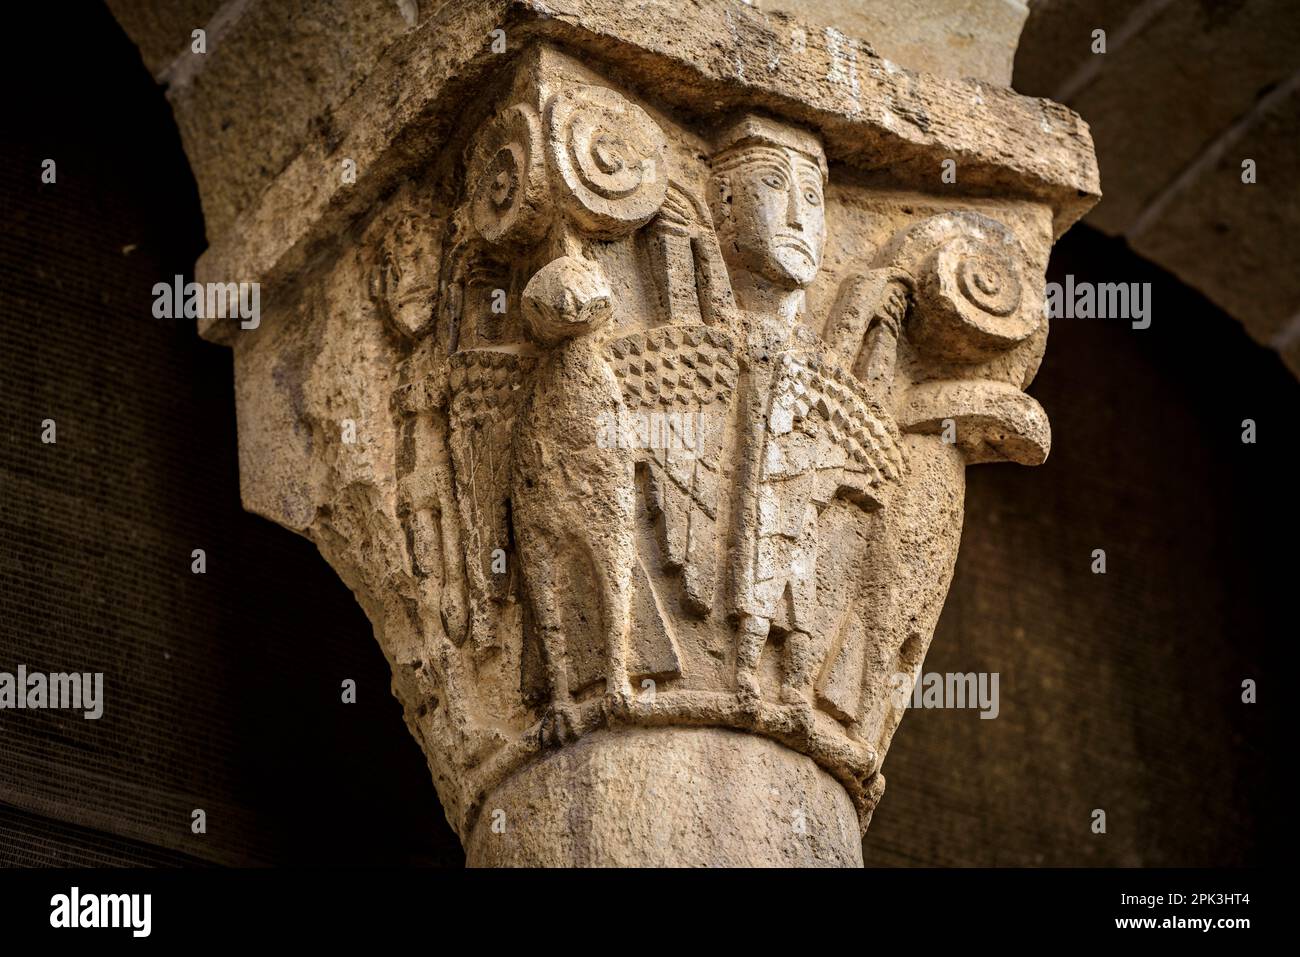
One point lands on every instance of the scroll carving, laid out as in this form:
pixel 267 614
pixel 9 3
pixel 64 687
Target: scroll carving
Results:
pixel 609 157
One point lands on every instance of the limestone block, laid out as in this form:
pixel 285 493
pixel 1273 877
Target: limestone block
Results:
pixel 1222 235
pixel 952 38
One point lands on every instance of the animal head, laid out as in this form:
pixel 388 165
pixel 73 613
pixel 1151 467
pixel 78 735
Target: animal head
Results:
pixel 566 298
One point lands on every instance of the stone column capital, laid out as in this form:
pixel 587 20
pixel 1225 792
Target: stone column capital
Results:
pixel 629 381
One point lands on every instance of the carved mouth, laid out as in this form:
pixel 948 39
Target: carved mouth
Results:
pixel 798 245
pixel 413 295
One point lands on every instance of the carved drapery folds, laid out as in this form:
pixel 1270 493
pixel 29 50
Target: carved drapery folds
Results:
pixel 665 423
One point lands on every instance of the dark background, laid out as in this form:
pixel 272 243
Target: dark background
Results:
pixel 1119 691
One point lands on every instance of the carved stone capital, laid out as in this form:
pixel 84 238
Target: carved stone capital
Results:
pixel 665 364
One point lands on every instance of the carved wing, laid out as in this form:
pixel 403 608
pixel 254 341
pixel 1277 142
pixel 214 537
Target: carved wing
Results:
pixel 861 453
pixel 827 437
pixel 687 262
pixel 677 384
pixel 487 389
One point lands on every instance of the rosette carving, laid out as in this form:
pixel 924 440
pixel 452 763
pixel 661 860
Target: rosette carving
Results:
pixel 507 178
pixel 609 160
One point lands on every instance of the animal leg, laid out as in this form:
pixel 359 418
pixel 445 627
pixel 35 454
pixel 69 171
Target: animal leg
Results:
pixel 559 725
pixel 753 636
pixel 612 560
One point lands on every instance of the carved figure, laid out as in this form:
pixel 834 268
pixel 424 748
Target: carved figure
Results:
pixel 812 433
pixel 573 498
pixel 526 427
pixel 607 442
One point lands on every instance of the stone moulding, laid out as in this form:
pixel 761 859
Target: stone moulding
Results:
pixel 665 353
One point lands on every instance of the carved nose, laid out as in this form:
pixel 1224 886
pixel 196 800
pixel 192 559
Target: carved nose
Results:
pixel 794 209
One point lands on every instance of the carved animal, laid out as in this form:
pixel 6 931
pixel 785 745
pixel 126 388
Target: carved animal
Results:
pixel 573 496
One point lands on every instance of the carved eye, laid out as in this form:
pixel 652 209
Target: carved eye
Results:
pixel 774 179
pixel 392 273
pixel 812 197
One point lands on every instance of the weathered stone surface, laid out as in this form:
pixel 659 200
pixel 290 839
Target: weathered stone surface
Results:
pixel 718 57
pixel 647 798
pixel 163 31
pixel 952 38
pixel 633 398
pixel 268 87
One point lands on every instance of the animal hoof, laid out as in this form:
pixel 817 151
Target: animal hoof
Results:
pixel 560 725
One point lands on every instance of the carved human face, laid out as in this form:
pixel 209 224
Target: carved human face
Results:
pixel 773 203
pixel 405 282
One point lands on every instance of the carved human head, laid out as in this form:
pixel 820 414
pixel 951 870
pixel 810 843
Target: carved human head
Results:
pixel 768 187
pixel 404 282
